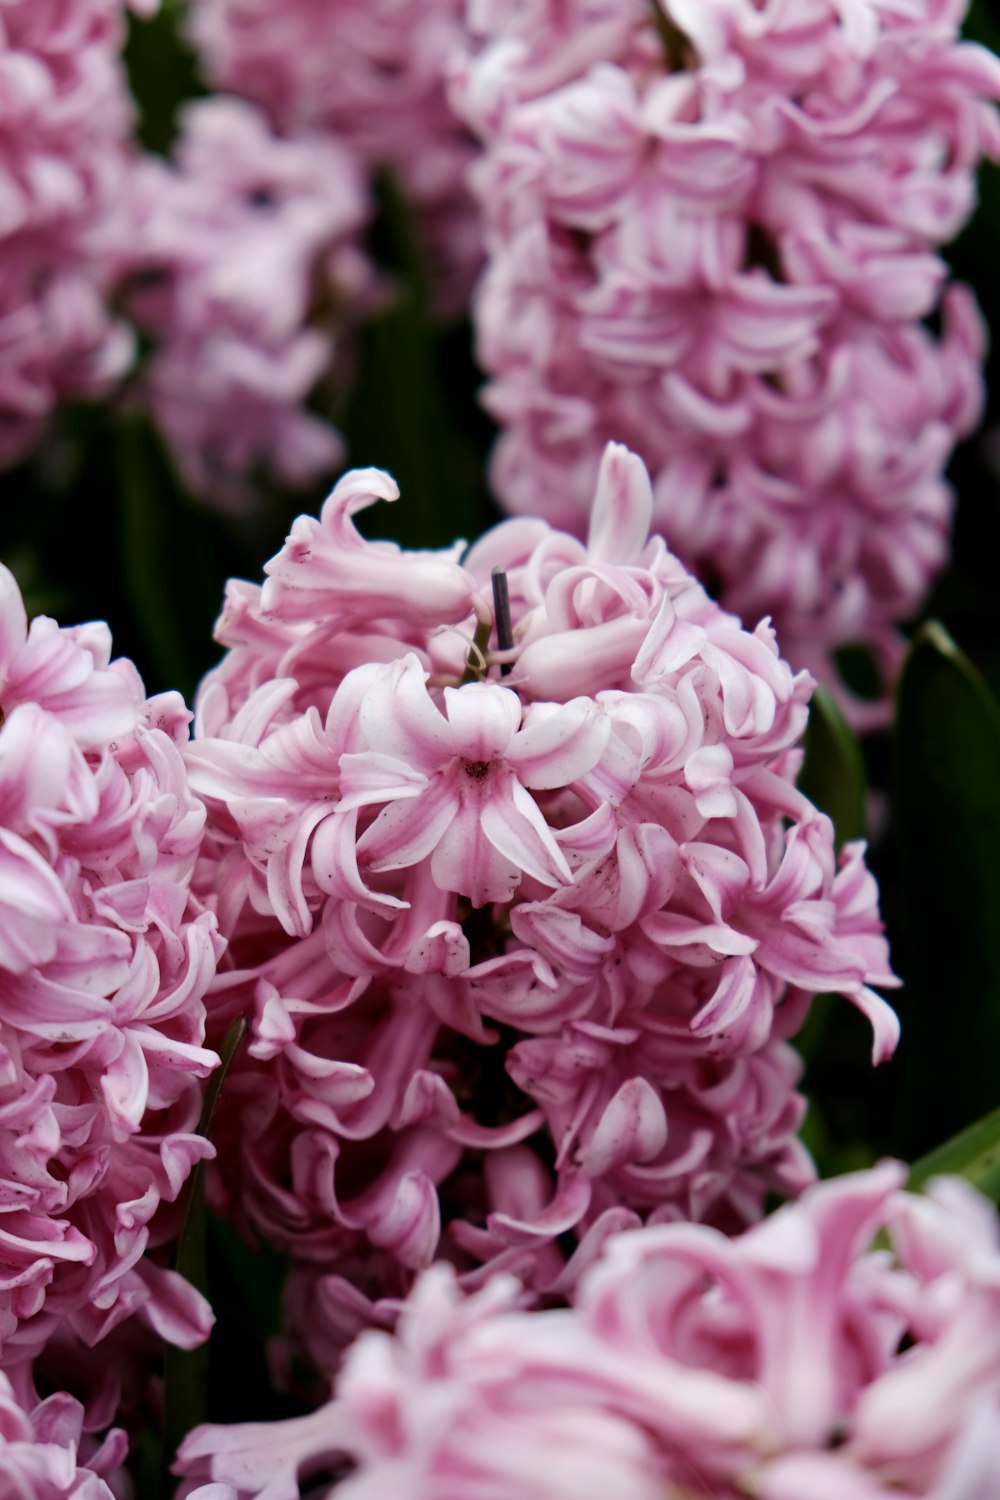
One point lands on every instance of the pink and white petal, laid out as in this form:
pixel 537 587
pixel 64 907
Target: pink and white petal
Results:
pixel 558 745
pixel 821 1476
pixel 334 859
pixel 301 751
pixel 407 1220
pixel 407 831
pixel 225 771
pixel 125 1086
pixel 562 1213
pixel 33 904
pixel 591 838
pixel 649 863
pixel 13 621
pixel 356 490
pixel 468 862
pixel 562 937
pixel 284 873
pixel 443 949
pixel 748 702
pixel 367 777
pixel 253 721
pixel 632 1128
pixel 484 718
pixel 674 930
pixel 398 717
pixel 497 1137
pixel 669 645
pixel 720 874
pixel 812 965
pixel 729 1018
pixel 176 1310
pixel 513 823
pixel 708 773
pixel 261 1457
pixel 96 706
pixel 574 661
pixel 882 1018
pixel 342 727
pixel 622 513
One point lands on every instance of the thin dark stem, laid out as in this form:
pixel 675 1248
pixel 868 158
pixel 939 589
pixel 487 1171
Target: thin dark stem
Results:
pixel 501 614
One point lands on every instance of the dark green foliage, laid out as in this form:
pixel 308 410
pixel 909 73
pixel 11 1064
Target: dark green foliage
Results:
pixel 834 775
pixel 974 1154
pixel 946 808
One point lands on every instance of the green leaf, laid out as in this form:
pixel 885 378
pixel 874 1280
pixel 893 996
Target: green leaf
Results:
pixel 413 409
pixel 981 27
pixel 162 71
pixel 185 1371
pixel 946 818
pixel 973 1154
pixel 833 776
pixel 231 1041
pixel 167 562
pixel 246 1282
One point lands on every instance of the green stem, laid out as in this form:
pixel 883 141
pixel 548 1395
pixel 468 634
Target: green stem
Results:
pixel 475 664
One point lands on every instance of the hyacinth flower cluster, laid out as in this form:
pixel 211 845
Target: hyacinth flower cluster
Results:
pixel 65 166
pixel 521 928
pixel 713 230
pixel 47 1454
pixel 105 959
pixel 244 265
pixel 369 74
pixel 791 1360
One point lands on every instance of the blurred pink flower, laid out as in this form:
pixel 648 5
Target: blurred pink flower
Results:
pixel 368 74
pixel 233 248
pixel 790 1360
pixel 45 1452
pixel 64 165
pixel 712 233
pixel 104 963
pixel 521 951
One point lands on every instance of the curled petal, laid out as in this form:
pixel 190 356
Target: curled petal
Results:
pixel 633 1127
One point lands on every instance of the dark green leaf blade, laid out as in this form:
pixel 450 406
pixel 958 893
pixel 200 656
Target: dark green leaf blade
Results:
pixel 413 410
pixel 167 564
pixel 833 776
pixel 185 1372
pixel 973 1154
pixel 947 826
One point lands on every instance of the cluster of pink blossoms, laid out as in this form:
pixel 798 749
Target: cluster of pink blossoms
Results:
pixel 712 229
pixel 370 75
pixel 45 1453
pixel 105 959
pixel 521 932
pixel 243 262
pixel 241 258
pixel 790 1361
pixel 64 164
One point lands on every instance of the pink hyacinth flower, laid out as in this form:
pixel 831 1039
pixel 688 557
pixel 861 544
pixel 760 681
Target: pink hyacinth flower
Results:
pixel 772 1364
pixel 105 959
pixel 65 163
pixel 369 74
pixel 466 777
pixel 229 247
pixel 713 234
pixel 46 1453
pixel 575 865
